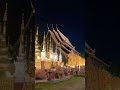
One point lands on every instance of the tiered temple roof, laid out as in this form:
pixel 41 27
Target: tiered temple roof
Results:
pixel 61 41
pixel 95 60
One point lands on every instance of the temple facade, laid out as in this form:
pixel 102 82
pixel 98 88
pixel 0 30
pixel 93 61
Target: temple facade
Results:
pixel 56 54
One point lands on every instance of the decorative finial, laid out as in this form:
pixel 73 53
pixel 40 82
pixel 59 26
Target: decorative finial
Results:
pixel 44 34
pixel 47 26
pixel 37 31
pixel 32 7
pixel 22 25
pixel 52 27
pixel 56 26
pixel 44 42
pixel 5 20
pixel 5 14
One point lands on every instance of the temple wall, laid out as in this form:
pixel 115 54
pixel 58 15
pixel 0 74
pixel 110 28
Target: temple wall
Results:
pixel 98 78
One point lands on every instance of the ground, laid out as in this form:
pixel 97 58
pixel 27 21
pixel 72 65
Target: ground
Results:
pixel 75 83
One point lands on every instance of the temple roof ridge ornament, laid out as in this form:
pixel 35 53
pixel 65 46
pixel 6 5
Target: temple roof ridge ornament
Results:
pixel 56 27
pixel 43 49
pixel 5 14
pixel 5 20
pixel 53 27
pixel 32 7
pixel 90 49
pixel 91 52
pixel 37 30
pixel 48 27
pixel 22 25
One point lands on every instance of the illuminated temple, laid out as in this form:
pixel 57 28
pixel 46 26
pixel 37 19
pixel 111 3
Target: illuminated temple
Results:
pixel 55 54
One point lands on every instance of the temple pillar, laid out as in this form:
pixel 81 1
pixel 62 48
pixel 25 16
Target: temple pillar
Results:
pixel 43 73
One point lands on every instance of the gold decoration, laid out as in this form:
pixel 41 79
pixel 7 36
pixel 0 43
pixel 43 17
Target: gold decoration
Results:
pixel 48 64
pixel 75 60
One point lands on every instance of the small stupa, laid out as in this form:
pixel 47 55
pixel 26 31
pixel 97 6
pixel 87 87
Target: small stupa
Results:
pixel 4 50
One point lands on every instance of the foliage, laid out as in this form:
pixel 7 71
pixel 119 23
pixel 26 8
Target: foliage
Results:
pixel 82 55
pixel 115 69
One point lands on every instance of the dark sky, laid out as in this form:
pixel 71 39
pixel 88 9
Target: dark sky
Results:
pixel 101 20
pixel 103 29
pixel 69 15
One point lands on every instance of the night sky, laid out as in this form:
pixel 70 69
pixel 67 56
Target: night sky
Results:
pixel 103 30
pixel 69 16
pixel 101 20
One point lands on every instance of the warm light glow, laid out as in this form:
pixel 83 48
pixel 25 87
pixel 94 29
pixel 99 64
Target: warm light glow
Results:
pixel 51 56
pixel 48 64
pixel 60 58
pixel 72 66
pixel 43 56
pixel 38 57
pixel 55 57
pixel 75 60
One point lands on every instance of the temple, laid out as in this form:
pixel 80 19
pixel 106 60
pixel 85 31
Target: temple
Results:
pixel 56 55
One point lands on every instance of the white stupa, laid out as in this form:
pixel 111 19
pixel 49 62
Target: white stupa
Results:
pixel 21 60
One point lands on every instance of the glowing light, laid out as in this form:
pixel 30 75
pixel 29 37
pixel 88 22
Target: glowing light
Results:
pixel 38 57
pixel 60 58
pixel 51 56
pixel 55 57
pixel 43 56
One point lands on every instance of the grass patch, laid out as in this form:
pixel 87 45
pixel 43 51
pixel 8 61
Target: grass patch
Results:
pixel 50 85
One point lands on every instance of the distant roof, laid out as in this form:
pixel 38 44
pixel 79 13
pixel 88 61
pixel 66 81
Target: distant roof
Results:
pixel 65 38
pixel 63 41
